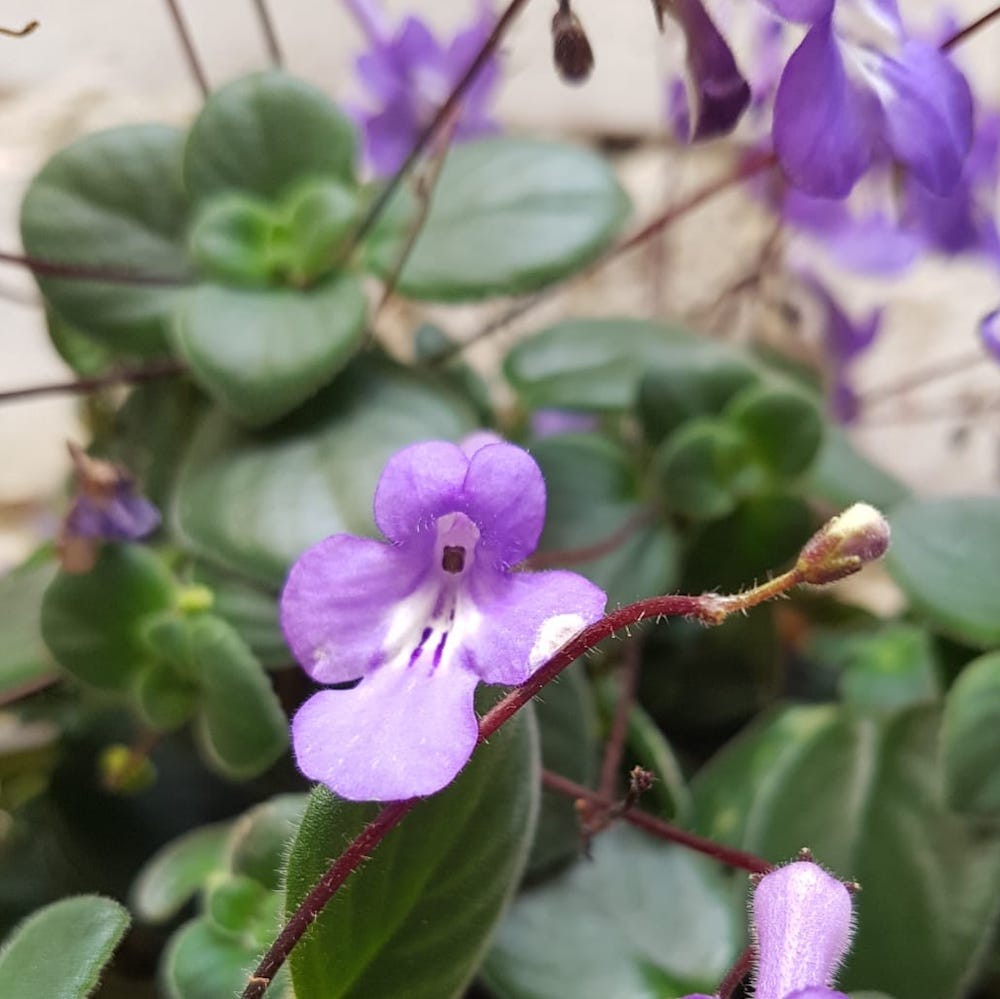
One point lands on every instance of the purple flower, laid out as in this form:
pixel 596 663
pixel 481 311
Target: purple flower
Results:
pixel 989 333
pixel 844 339
pixel 858 87
pixel 802 928
pixel 719 93
pixel 552 422
pixel 408 74
pixel 424 617
pixel 107 507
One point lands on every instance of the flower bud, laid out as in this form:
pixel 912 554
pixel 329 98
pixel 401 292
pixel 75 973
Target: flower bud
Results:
pixel 802 923
pixel 844 545
pixel 571 49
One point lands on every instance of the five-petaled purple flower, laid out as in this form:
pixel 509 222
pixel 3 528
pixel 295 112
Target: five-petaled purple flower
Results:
pixel 408 74
pixel 802 928
pixel 424 617
pixel 858 85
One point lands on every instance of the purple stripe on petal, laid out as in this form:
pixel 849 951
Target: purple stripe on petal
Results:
pixel 802 925
pixel 400 733
pixel 339 600
pixel 526 617
pixel 823 123
pixel 720 91
pixel 928 109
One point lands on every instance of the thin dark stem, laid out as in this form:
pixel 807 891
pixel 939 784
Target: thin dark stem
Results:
pixel 87 272
pixel 924 376
pixel 19 32
pixel 736 974
pixel 709 608
pixel 749 167
pixel 313 904
pixel 614 748
pixel 574 556
pixel 81 386
pixel 657 827
pixel 443 114
pixel 27 689
pixel 267 29
pixel 187 44
pixel 970 29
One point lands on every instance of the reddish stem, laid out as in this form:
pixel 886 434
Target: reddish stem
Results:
pixel 574 556
pixel 658 828
pixel 87 272
pixel 970 29
pixel 736 974
pixel 614 749
pixel 187 45
pixel 123 376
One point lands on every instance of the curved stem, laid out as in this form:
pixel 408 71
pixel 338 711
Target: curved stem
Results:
pixel 709 608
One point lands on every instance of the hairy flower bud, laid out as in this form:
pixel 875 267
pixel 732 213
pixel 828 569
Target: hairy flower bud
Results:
pixel 571 51
pixel 844 545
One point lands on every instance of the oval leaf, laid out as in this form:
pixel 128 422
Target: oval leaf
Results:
pixel 112 199
pixel 970 738
pixel 507 216
pixel 255 502
pixel 414 920
pixel 260 352
pixel 59 951
pixel 264 132
pixel 641 912
pixel 944 554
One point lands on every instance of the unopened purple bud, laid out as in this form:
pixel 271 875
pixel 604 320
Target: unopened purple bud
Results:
pixel 989 333
pixel 843 545
pixel 803 922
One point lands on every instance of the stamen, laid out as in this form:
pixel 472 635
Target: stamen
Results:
pixel 453 558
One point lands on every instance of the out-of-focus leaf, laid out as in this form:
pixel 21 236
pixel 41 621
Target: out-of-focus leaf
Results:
pixel 24 659
pixel 842 475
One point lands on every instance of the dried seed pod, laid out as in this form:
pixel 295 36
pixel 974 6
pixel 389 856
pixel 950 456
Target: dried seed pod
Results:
pixel 571 51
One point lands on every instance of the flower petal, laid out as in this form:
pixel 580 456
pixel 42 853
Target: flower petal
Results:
pixel 505 496
pixel 419 484
pixel 801 11
pixel 525 618
pixel 816 992
pixel 928 111
pixel 721 93
pixel 340 599
pixel 803 924
pixel 401 733
pixel 989 333
pixel 389 136
pixel 822 122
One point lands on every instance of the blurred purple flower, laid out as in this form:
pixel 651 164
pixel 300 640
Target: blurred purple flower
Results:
pixel 802 927
pixel 718 92
pixel 989 333
pixel 551 422
pixel 858 89
pixel 844 340
pixel 423 618
pixel 408 74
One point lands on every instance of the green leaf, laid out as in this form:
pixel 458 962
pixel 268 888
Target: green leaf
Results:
pixel 864 795
pixel 169 879
pixel 842 475
pixel 567 723
pixel 970 739
pixel 261 352
pixel 415 919
pixel 264 132
pixel 258 844
pixel 784 428
pixel 112 199
pixel 705 468
pixel 945 554
pixel 254 502
pixel 597 364
pixel 592 500
pixel 507 216
pixel 204 962
pixel 241 726
pixel 24 658
pixel 60 951
pixel 92 621
pixel 642 912
pixel 231 239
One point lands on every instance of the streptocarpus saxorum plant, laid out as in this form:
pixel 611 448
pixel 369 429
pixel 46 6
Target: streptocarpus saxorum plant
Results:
pixel 330 502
